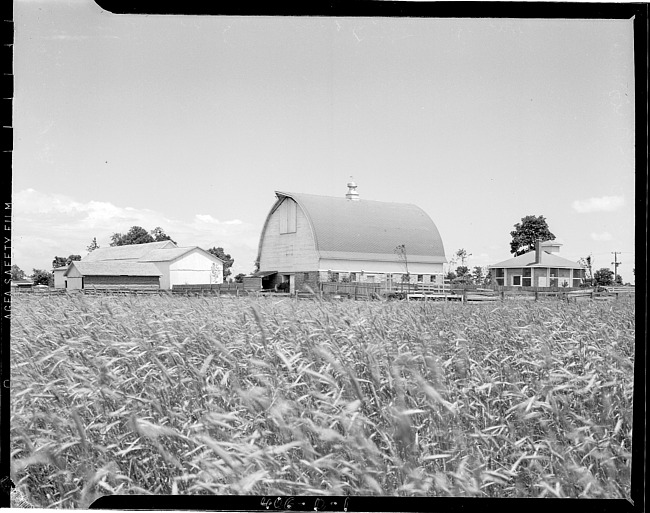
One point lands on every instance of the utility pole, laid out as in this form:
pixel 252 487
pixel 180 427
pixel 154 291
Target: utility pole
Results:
pixel 616 263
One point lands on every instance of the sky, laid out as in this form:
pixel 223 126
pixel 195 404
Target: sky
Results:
pixel 191 123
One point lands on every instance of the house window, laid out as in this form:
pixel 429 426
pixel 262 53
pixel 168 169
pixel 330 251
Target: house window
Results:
pixel 516 281
pixel 420 278
pixel 335 276
pixel 432 278
pixel 353 276
pixel 526 280
pixel 499 275
pixel 305 276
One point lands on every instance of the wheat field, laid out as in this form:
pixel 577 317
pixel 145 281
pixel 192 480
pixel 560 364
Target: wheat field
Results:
pixel 188 395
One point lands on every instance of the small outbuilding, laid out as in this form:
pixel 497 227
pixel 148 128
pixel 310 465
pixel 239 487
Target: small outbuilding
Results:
pixel 542 267
pixel 159 265
pixel 58 274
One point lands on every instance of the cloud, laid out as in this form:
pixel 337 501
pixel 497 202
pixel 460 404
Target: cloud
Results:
pixel 602 204
pixel 603 236
pixel 45 225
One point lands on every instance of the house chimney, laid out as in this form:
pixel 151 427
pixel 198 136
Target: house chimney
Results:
pixel 538 251
pixel 352 194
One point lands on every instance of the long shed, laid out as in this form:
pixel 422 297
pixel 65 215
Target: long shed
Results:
pixel 153 265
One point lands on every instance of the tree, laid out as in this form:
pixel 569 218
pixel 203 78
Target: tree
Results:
pixel 93 245
pixel 618 280
pixel 604 277
pixel 586 263
pixel 227 260
pixel 400 251
pixel 527 232
pixel 463 255
pixel 41 277
pixel 240 278
pixel 136 235
pixel 477 275
pixel 462 274
pixel 159 235
pixel 63 261
pixel 17 273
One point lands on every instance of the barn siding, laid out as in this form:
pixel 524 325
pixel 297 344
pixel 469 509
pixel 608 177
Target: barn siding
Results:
pixel 369 266
pixel 89 281
pixel 195 268
pixel 288 252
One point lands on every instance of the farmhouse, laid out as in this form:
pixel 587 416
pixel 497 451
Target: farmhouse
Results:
pixel 539 268
pixel 308 239
pixel 158 265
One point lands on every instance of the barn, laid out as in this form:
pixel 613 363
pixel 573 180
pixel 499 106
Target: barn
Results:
pixel 308 239
pixel 154 265
pixel 542 267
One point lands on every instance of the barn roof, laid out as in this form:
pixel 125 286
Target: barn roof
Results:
pixel 547 260
pixel 115 268
pixel 366 229
pixel 129 252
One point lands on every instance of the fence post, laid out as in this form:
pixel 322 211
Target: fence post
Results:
pixel 536 295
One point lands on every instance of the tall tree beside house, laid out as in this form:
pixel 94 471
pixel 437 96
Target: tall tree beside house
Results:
pixel 63 261
pixel 604 277
pixel 586 262
pixel 93 245
pixel 527 232
pixel 240 278
pixel 41 277
pixel 17 273
pixel 227 260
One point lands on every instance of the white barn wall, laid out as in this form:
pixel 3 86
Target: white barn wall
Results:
pixel 59 279
pixel 288 252
pixel 372 266
pixel 193 268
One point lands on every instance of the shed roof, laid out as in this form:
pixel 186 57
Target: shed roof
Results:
pixel 547 260
pixel 115 268
pixel 169 254
pixel 129 252
pixel 366 229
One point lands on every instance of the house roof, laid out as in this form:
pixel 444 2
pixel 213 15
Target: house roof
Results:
pixel 366 229
pixel 115 268
pixel 129 252
pixel 547 260
pixel 62 268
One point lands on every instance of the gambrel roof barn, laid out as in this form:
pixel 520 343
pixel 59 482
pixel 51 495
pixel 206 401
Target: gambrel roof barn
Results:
pixel 307 234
